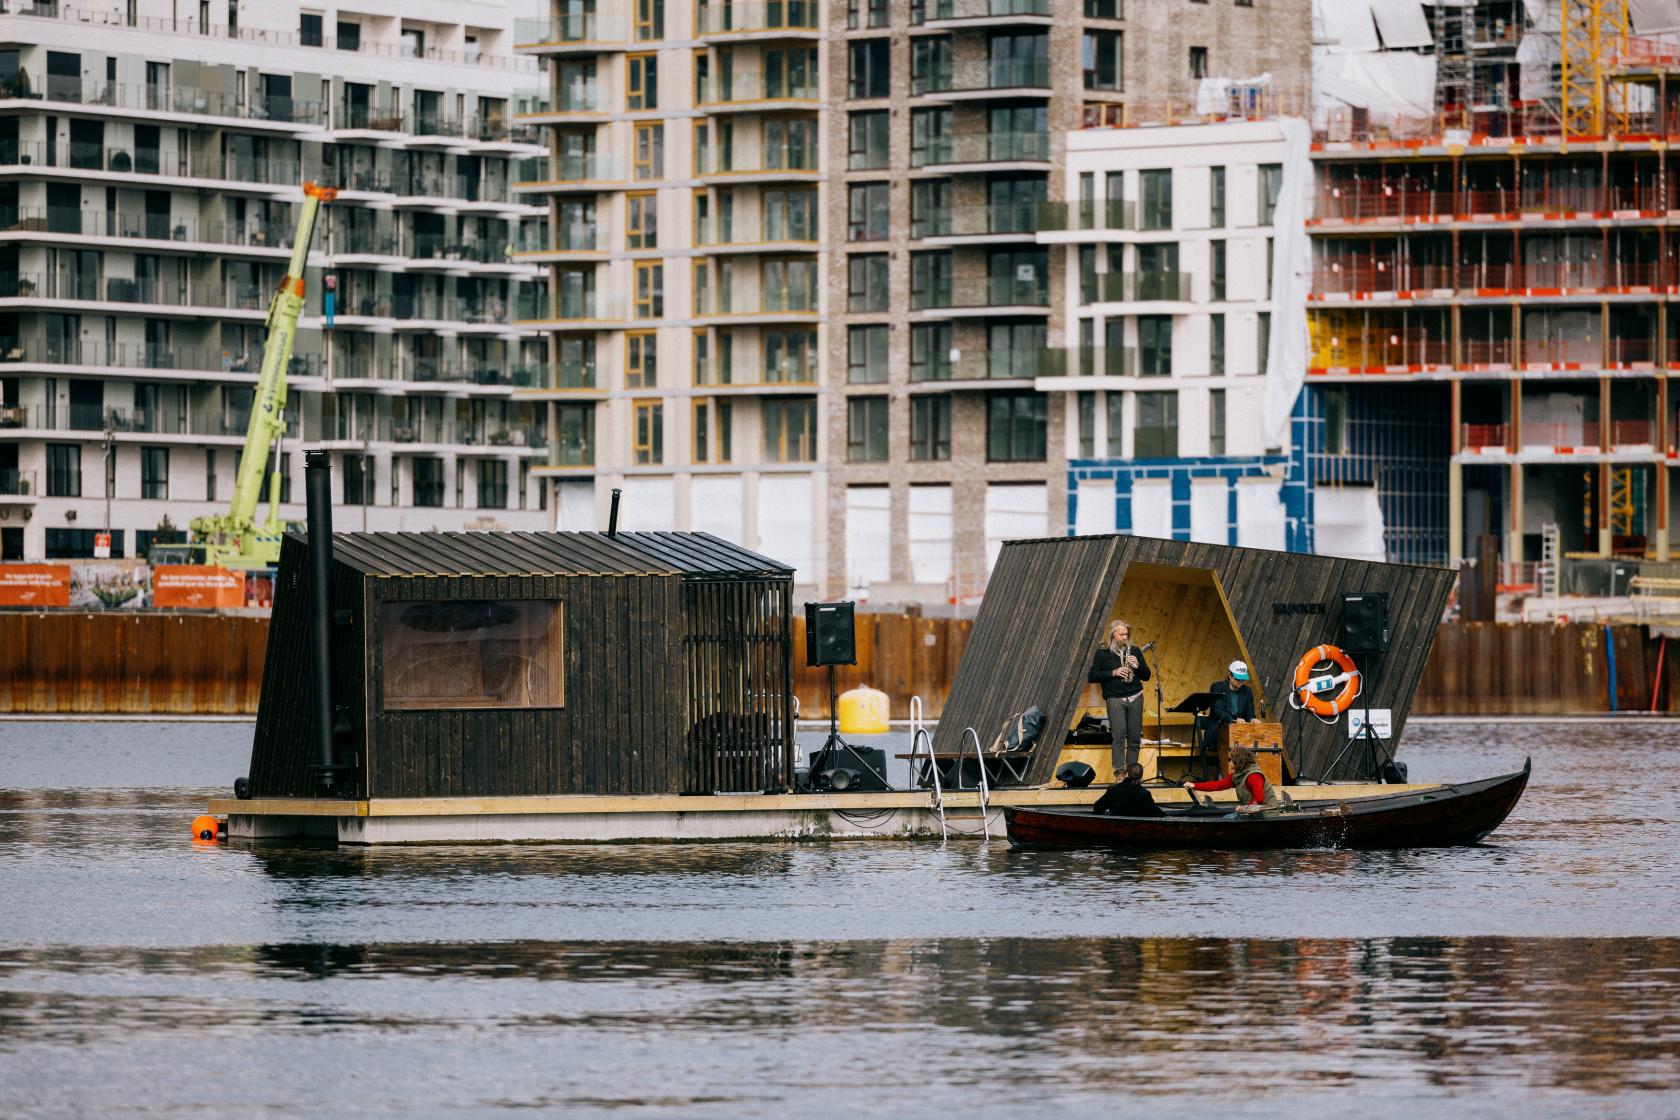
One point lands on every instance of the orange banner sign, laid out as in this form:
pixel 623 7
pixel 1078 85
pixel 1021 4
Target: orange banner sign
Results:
pixel 34 585
pixel 196 586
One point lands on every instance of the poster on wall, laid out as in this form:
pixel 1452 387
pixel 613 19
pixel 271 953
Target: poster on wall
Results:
pixel 110 585
pixel 196 587
pixel 34 585
pixel 259 588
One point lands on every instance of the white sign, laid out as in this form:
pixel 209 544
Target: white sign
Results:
pixel 1382 722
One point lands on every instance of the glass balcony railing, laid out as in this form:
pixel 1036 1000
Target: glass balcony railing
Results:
pixel 138 355
pixel 754 87
pixel 585 167
pixel 725 17
pixel 15 483
pixel 153 227
pixel 982 9
pixel 988 74
pixel 122 160
pixel 160 98
pixel 979 221
pixel 769 160
pixel 572 28
pixel 987 147
pixel 1129 287
pixel 981 293
pixel 574 375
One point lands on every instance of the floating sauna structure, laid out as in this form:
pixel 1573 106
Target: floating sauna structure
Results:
pixel 637 686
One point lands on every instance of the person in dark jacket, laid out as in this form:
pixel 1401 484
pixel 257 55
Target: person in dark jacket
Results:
pixel 1128 798
pixel 1121 670
pixel 1233 702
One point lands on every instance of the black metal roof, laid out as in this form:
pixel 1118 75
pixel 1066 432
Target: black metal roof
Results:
pixel 701 554
pixel 526 554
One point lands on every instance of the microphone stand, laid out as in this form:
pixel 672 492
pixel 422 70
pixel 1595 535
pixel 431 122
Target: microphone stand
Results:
pixel 1160 735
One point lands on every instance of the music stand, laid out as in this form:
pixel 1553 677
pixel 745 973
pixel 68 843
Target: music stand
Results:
pixel 1194 704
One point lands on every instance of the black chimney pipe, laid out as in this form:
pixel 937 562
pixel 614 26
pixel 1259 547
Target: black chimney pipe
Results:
pixel 612 518
pixel 317 474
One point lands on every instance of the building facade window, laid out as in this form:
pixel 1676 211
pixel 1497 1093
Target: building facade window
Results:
pixel 1263 342
pixel 1015 427
pixel 648 432
pixel 1156 434
pixel 492 484
pixel 309 29
pixel 650 290
pixel 930 136
pixel 154 473
pixel 870 211
pixel 574 426
pixel 649 151
pixel 64 470
pixel 790 357
pixel 866 275
pixel 1103 9
pixel 1155 199
pixel 1198 62
pixel 650 20
pixel 1216 197
pixel 1216 271
pixel 866 354
pixel 1116 408
pixel 930 279
pixel 930 352
pixel 1154 345
pixel 1216 345
pixel 358 480
pixel 869 145
pixel 642 220
pixel 1101 58
pixel 428 482
pixel 1271 189
pixel 641 359
pixel 930 428
pixel 866 429
pixel 790 430
pixel 1087 409
pixel 1216 422
pixel 642 87
pixel 930 207
pixel 870 68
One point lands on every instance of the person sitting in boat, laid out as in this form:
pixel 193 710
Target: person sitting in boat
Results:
pixel 1121 670
pixel 1128 798
pixel 1254 792
pixel 1233 702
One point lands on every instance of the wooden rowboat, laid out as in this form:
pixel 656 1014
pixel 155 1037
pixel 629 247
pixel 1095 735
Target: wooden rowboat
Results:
pixel 1439 817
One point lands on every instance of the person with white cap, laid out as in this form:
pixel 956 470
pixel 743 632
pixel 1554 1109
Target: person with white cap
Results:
pixel 1233 702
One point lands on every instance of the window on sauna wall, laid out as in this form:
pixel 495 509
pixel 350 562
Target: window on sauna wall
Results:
pixel 472 654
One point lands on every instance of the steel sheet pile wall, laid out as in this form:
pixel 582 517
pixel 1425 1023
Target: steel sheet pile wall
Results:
pixel 1484 668
pixel 116 663
pixel 902 655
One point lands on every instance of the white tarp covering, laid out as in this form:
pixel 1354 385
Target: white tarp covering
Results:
pixel 1210 502
pixel 716 505
pixel 1152 508
pixel 1012 512
pixel 574 507
pixel 868 538
pixel 1094 506
pixel 1223 97
pixel 1537 57
pixel 1260 514
pixel 1347 522
pixel 1402 23
pixel 1393 82
pixel 784 523
pixel 1289 346
pixel 930 534
pixel 648 504
pixel 1648 17
pixel 1348 25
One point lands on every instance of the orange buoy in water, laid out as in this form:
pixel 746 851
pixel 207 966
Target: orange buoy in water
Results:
pixel 205 828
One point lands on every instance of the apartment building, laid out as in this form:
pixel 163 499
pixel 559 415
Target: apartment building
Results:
pixel 946 417
pixel 151 156
pixel 1170 254
pixel 684 301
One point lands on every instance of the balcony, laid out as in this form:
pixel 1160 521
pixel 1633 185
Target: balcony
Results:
pixel 771 304
pixel 1134 287
pixel 753 90
pixel 984 151
pixel 981 79
pixel 151 227
pixel 178 294
pixel 148 100
pixel 984 13
pixel 16 483
pixel 757 19
pixel 190 360
pixel 981 296
pixel 993 222
pixel 98 159
pixel 772 163
pixel 1562 437
pixel 573 33
pixel 1385 350
pixel 582 172
pixel 1402 202
pixel 1484 437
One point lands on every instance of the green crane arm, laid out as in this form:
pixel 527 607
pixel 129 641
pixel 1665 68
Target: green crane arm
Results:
pixel 268 411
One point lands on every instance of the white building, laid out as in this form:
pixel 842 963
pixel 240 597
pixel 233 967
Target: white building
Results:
pixel 151 156
pixel 1174 259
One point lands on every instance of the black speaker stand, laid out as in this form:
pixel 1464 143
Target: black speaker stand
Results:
pixel 1367 736
pixel 835 747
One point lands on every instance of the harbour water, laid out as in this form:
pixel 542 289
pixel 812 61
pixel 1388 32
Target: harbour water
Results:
pixel 141 975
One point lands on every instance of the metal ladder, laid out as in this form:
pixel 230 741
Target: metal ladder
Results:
pixel 918 738
pixel 1547 576
pixel 980 764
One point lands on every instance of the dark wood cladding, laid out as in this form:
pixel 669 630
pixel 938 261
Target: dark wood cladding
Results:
pixel 677 668
pixel 1048 599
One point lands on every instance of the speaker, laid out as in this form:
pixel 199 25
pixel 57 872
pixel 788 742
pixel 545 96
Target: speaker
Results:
pixel 1075 775
pixel 830 634
pixel 1364 626
pixel 850 768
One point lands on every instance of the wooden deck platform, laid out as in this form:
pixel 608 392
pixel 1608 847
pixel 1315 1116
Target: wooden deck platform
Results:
pixel 659 818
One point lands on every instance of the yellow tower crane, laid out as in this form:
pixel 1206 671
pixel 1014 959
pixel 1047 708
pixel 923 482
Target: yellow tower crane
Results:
pixel 1594 33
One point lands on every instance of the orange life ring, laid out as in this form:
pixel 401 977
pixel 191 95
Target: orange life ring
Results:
pixel 1312 692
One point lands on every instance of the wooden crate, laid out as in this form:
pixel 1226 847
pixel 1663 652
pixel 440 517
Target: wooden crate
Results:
pixel 1264 739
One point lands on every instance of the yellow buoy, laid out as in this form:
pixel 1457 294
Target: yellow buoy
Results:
pixel 863 711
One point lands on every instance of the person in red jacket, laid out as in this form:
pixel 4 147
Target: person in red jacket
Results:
pixel 1254 792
